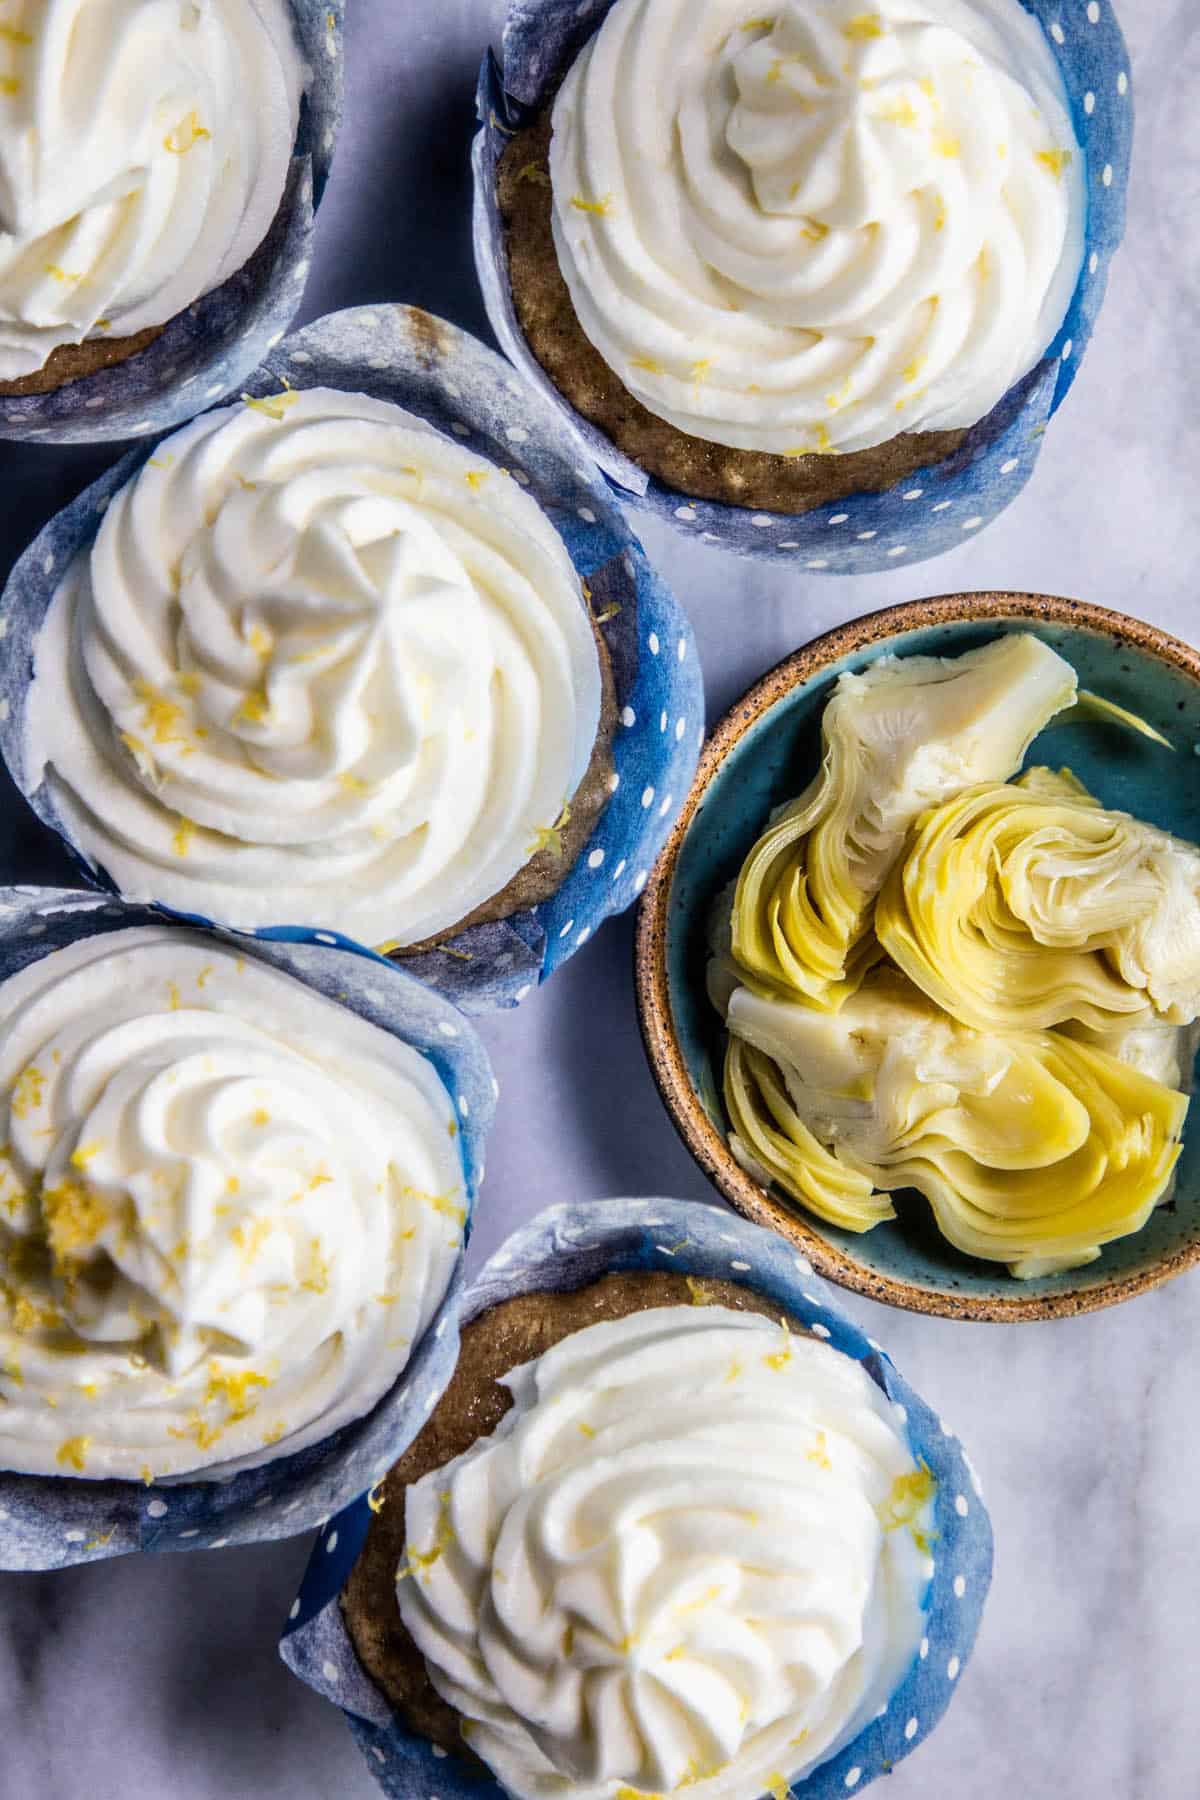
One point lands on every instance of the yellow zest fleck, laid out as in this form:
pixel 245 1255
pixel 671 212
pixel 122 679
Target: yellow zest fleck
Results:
pixel 549 837
pixel 939 224
pixel 161 717
pixel 862 27
pixel 698 1605
pixel 73 1454
pixel 603 209
pixel 701 1293
pixel 779 1359
pixel 701 370
pixel 27 1317
pixel 147 1474
pixel 61 274
pixel 945 144
pixel 185 831
pixel 913 370
pixel 260 1116
pixel 187 134
pixel 274 406
pixel 798 1739
pixel 420 1561
pixel 778 1787
pixel 735 1370
pixel 86 1153
pixel 28 1092
pixel 376 1498
pixel 10 84
pixel 1057 161
pixel 444 1204
pixel 353 784
pixel 586 1430
pixel 199 1429
pixel 11 1370
pixel 255 709
pixel 819 1454
pixel 98 1543
pixel 534 172
pixel 11 35
pixel 609 612
pixel 74 1217
pixel 160 462
pixel 632 1793
pixel 814 231
pixel 249 1239
pixel 202 981
pixel 901 112
pixel 233 1389
pixel 649 364
pixel 762 24
pixel 909 1494
pixel 475 478
pixel 260 640
pixel 174 996
pixel 317 1281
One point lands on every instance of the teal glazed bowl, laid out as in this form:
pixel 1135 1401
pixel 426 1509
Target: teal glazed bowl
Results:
pixel 763 752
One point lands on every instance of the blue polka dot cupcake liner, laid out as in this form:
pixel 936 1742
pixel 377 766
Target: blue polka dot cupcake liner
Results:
pixel 52 1522
pixel 207 351
pixel 569 1247
pixel 462 388
pixel 937 508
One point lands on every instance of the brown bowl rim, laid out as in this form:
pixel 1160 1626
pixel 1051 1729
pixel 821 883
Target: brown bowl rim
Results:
pixel 659 1038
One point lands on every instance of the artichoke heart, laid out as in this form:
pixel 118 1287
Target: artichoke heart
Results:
pixel 1032 1148
pixel 1029 905
pixel 906 734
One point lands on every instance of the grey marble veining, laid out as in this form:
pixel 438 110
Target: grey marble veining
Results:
pixel 154 1678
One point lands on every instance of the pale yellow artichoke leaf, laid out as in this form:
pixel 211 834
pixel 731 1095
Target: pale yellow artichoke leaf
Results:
pixel 901 736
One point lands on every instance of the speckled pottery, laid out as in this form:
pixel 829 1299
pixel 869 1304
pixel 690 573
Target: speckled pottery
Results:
pixel 763 752
pixel 928 511
pixel 569 1247
pixel 53 1521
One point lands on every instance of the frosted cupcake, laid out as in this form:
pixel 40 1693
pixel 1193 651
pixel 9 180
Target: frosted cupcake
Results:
pixel 662 1535
pixel 230 1209
pixel 369 655
pixel 157 182
pixel 321 658
pixel 773 261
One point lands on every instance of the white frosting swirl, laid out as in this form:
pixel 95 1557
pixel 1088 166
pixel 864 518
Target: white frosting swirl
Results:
pixel 690 1559
pixel 144 147
pixel 811 231
pixel 228 1206
pixel 322 666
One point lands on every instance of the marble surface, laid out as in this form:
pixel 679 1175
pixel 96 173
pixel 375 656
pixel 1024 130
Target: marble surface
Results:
pixel 145 1678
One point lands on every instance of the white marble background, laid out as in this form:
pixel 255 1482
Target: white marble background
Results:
pixel 156 1678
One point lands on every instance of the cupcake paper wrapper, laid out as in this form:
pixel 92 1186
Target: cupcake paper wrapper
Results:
pixel 931 510
pixel 50 1522
pixel 569 1247
pixel 207 351
pixel 459 386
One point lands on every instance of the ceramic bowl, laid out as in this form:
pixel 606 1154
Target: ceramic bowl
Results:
pixel 763 752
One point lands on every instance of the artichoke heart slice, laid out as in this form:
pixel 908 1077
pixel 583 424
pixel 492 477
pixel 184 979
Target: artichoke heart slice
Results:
pixel 899 738
pixel 1032 1149
pixel 1029 905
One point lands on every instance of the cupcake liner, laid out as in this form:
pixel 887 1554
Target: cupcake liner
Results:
pixel 449 378
pixel 50 1522
pixel 929 511
pixel 568 1247
pixel 207 351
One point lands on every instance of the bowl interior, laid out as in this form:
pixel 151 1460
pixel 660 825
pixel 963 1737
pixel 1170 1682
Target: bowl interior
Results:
pixel 907 1261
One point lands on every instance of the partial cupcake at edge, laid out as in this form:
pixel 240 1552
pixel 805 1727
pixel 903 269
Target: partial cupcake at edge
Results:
pixel 234 1192
pixel 778 259
pixel 327 667
pixel 938 972
pixel 661 1535
pixel 149 155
